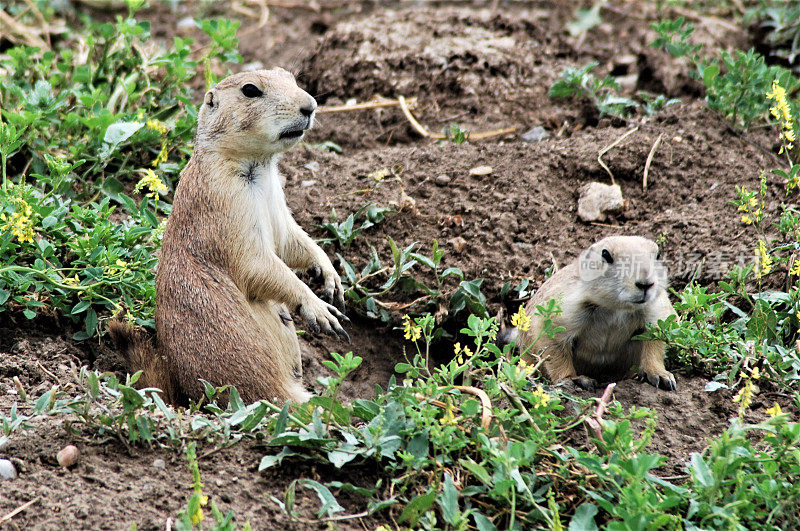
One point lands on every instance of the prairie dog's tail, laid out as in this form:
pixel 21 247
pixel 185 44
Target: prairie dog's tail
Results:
pixel 139 352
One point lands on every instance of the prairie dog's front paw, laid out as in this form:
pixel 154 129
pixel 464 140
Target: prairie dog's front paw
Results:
pixel 321 316
pixel 333 291
pixel 659 378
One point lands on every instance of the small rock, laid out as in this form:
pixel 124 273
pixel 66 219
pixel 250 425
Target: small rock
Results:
pixel 7 469
pixel 185 25
pixel 442 180
pixel 458 243
pixel 255 65
pixel 628 82
pixel 480 171
pixel 597 200
pixel 312 166
pixel 159 464
pixel 68 456
pixel 308 184
pixel 536 134
pixel 407 203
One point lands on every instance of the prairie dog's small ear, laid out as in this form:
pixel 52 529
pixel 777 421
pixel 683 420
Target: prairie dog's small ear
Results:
pixel 209 99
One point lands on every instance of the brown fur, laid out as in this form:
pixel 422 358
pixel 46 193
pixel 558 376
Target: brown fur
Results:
pixel 603 307
pixel 139 350
pixel 225 276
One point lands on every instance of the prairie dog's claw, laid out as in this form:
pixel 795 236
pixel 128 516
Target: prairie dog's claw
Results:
pixel 285 317
pixel 322 316
pixel 661 380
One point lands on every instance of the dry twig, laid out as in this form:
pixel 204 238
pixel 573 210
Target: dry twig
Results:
pixel 609 148
pixel 406 105
pixel 596 422
pixel 367 105
pixel 650 160
pixel 18 510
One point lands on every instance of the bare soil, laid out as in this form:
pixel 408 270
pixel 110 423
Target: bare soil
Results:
pixel 483 69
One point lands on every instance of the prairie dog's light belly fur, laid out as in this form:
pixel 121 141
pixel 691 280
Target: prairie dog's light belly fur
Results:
pixel 266 203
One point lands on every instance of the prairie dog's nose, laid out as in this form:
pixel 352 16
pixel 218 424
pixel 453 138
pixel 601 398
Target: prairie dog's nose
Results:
pixel 308 109
pixel 644 285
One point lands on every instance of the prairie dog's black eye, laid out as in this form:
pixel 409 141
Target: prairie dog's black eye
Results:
pixel 607 256
pixel 251 91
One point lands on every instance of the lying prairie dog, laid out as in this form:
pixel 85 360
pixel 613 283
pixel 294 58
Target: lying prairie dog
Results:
pixel 607 296
pixel 225 280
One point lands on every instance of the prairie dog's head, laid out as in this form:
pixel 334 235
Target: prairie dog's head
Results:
pixel 622 272
pixel 254 114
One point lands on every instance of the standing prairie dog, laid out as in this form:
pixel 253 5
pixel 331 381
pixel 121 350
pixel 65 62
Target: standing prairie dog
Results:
pixel 607 296
pixel 225 277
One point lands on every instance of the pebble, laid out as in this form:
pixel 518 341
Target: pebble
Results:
pixel 442 180
pixel 159 464
pixel 7 469
pixel 68 456
pixel 308 184
pixel 536 134
pixel 481 170
pixel 186 24
pixel 457 244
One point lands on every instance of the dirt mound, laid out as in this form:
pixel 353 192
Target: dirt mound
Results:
pixel 425 51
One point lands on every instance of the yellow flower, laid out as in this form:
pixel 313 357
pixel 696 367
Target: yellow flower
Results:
pixel 520 320
pixel 155 125
pixel 763 260
pixel 71 281
pixel 745 396
pixel 152 183
pixel 524 368
pixel 379 175
pixel 197 517
pixel 162 155
pixel 747 220
pixel 120 266
pixel 382 528
pixel 448 417
pixel 793 182
pixel 782 113
pixel 412 331
pixel 543 397
pixel 20 223
pixel 774 410
pixel 755 374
